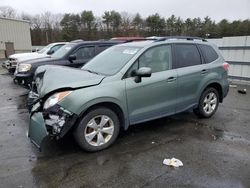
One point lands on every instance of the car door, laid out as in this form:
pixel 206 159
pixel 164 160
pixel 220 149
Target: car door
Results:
pixel 82 56
pixel 154 96
pixel 190 72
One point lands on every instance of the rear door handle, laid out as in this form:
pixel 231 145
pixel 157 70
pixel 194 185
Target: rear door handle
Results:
pixel 171 79
pixel 204 71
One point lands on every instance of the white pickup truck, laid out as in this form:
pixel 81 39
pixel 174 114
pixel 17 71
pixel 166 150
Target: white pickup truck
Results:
pixel 20 57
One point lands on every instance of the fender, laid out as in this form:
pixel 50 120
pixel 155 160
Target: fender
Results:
pixel 82 109
pixel 214 81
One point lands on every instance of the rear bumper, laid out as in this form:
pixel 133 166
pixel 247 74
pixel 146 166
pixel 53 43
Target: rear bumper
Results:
pixel 225 88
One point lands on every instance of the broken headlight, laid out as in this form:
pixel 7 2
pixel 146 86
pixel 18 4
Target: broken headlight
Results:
pixel 55 98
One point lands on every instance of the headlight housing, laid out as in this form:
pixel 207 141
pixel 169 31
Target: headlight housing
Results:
pixel 55 98
pixel 24 67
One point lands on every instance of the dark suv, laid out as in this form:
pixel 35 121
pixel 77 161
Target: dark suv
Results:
pixel 74 54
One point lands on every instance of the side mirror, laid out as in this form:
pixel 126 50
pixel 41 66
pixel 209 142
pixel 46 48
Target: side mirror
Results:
pixel 142 72
pixel 72 58
pixel 50 52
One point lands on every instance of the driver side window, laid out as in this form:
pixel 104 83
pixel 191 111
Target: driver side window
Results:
pixel 158 58
pixel 85 53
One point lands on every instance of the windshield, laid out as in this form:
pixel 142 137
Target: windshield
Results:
pixel 111 60
pixel 62 51
pixel 45 49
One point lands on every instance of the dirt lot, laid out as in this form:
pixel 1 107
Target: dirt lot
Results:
pixel 215 152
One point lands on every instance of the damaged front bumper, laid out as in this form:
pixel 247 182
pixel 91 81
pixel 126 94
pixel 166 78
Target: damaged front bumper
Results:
pixel 54 122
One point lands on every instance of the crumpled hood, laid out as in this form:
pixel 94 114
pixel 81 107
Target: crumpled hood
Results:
pixel 27 56
pixel 49 78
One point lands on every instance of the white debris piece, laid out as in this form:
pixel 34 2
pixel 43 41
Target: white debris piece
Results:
pixel 233 86
pixel 172 162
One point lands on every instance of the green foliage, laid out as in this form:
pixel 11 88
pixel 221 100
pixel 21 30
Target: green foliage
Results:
pixel 155 24
pixel 71 24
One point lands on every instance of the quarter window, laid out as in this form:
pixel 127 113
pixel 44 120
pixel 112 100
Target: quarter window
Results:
pixel 157 58
pixel 186 55
pixel 209 53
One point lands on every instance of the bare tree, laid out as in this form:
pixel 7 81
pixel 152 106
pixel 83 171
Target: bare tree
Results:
pixel 7 12
pixel 126 22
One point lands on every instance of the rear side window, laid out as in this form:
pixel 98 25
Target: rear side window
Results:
pixel 209 53
pixel 186 55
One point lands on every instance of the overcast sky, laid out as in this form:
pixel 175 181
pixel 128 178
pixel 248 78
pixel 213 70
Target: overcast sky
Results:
pixel 216 9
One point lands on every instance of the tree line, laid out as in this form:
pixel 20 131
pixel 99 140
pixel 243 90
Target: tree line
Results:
pixel 48 27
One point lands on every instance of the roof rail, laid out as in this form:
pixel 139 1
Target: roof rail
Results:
pixel 77 40
pixel 181 37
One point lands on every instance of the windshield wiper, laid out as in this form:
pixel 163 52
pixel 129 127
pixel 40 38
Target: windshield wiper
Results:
pixel 91 71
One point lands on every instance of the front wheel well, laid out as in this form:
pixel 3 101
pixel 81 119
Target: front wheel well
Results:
pixel 218 87
pixel 112 106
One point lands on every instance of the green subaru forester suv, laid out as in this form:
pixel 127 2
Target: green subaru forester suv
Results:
pixel 124 85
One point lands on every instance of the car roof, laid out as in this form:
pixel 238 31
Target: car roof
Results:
pixel 94 42
pixel 127 39
pixel 138 43
pixel 56 43
pixel 167 40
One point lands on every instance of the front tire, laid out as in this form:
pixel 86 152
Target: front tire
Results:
pixel 97 130
pixel 208 103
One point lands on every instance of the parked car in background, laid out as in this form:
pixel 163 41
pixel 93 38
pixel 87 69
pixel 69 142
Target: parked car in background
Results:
pixel 74 54
pixel 127 84
pixel 44 52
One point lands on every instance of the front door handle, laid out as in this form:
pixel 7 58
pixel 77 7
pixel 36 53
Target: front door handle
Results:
pixel 204 71
pixel 171 79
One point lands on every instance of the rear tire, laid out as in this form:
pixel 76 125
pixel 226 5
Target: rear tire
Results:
pixel 208 103
pixel 97 130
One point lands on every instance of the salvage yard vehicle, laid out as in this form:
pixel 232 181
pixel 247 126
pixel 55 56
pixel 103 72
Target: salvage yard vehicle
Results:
pixel 14 59
pixel 127 84
pixel 73 54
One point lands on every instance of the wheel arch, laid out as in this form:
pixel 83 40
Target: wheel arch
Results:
pixel 217 86
pixel 110 104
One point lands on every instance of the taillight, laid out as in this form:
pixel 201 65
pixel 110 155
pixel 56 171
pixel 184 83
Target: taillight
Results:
pixel 226 66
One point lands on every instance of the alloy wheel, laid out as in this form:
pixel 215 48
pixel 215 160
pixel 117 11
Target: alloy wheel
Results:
pixel 210 103
pixel 99 130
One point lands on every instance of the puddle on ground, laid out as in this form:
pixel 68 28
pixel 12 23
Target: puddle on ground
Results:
pixel 229 136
